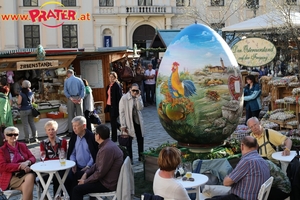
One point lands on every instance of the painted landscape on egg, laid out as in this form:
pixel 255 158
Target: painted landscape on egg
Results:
pixel 199 94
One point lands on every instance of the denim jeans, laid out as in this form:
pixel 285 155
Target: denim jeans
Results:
pixel 28 123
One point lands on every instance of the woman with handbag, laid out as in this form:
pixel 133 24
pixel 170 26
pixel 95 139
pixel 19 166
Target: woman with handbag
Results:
pixel 25 100
pixel 15 161
pixel 131 118
pixel 5 111
pixel 114 94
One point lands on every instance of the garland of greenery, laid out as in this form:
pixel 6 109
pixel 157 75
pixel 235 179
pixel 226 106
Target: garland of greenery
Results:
pixel 153 49
pixel 231 149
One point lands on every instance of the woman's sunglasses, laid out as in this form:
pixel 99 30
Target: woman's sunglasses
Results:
pixel 12 134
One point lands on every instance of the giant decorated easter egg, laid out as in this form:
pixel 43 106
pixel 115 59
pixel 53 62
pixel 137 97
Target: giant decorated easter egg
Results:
pixel 199 90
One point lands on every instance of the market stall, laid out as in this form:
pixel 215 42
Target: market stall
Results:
pixel 47 77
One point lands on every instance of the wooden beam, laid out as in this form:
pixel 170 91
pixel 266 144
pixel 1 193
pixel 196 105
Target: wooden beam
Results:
pixel 66 61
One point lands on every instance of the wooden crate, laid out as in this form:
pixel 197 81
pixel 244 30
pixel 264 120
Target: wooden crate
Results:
pixel 279 92
pixel 102 118
pixel 150 167
pixel 282 124
pixel 101 104
pixel 100 111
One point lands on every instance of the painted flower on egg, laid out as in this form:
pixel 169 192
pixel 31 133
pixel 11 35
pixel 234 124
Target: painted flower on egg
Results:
pixel 198 93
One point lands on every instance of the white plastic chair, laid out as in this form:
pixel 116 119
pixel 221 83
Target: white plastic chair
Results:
pixel 265 189
pixel 113 194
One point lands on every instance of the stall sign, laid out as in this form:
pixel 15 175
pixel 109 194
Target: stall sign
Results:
pixel 254 52
pixel 37 65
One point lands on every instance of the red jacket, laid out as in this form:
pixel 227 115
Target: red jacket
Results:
pixel 7 168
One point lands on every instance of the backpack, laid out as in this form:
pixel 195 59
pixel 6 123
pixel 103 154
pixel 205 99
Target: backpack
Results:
pixel 265 143
pixel 267 135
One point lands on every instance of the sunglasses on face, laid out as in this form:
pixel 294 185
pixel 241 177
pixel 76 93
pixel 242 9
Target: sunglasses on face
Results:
pixel 137 91
pixel 12 134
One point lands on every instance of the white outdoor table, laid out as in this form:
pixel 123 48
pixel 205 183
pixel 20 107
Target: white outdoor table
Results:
pixel 200 179
pixel 284 160
pixel 52 167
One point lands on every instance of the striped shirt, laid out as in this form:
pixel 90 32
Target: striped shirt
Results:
pixel 249 174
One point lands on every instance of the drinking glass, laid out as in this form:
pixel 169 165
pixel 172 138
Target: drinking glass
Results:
pixel 62 157
pixel 43 156
pixel 188 169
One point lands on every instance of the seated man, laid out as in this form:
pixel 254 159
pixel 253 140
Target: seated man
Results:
pixel 249 174
pixel 82 150
pixel 103 175
pixel 281 186
pixel 266 140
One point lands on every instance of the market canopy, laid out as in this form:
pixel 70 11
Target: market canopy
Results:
pixel 163 38
pixel 265 22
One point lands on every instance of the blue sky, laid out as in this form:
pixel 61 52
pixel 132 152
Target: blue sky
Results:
pixel 195 47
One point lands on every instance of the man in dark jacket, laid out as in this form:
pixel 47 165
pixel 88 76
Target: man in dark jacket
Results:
pixel 82 150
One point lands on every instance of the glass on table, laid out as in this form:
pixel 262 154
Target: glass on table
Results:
pixel 43 156
pixel 62 157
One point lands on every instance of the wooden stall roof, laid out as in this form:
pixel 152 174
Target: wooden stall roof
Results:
pixel 8 61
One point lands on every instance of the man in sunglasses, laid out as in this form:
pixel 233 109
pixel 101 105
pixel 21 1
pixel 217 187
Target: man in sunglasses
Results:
pixel 131 118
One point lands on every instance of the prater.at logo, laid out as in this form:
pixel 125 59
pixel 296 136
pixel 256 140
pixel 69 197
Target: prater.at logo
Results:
pixel 43 15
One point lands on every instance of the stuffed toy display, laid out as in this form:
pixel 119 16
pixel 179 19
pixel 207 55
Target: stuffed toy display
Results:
pixel 10 75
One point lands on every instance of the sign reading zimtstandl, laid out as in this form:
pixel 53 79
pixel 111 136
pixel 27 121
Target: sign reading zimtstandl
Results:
pixel 37 65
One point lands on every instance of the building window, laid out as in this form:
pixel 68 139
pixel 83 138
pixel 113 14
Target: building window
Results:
pixel 217 2
pixel 107 3
pixel 291 2
pixel 68 2
pixel 144 2
pixel 252 4
pixel 69 36
pixel 182 2
pixel 31 36
pixel 30 2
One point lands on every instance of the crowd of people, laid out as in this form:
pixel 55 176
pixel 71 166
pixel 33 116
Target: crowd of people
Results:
pixel 98 159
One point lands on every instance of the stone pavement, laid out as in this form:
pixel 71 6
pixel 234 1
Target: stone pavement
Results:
pixel 155 136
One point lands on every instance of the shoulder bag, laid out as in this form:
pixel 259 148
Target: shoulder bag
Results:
pixel 94 118
pixel 35 112
pixel 124 139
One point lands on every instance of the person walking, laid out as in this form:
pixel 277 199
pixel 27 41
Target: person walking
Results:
pixel 88 104
pixel 139 79
pixel 25 100
pixel 5 111
pixel 150 75
pixel 114 94
pixel 74 90
pixel 131 118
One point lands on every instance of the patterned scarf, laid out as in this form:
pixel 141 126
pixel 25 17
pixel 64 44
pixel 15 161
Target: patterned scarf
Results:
pixel 15 154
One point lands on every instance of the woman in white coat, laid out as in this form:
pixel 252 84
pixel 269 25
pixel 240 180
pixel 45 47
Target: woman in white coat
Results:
pixel 131 118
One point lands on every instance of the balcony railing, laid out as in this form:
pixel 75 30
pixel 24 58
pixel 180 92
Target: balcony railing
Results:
pixel 136 10
pixel 146 9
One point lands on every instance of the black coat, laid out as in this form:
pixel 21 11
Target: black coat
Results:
pixel 90 139
pixel 115 96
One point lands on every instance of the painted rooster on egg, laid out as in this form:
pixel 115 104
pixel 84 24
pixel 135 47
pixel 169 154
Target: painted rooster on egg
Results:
pixel 180 88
